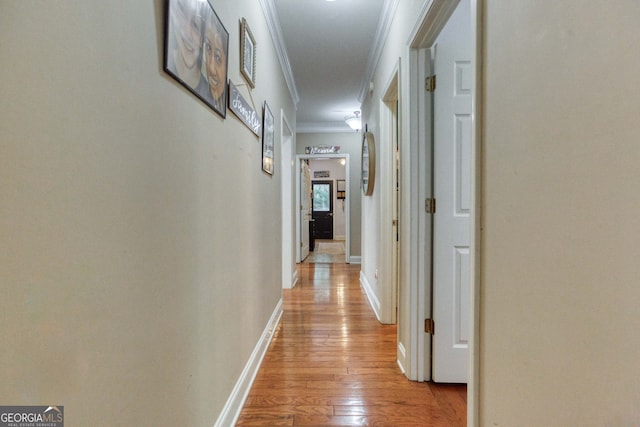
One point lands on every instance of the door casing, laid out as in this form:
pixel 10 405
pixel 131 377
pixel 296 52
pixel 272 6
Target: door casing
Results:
pixel 413 272
pixel 289 273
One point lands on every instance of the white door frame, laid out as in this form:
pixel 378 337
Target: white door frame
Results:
pixel 287 143
pixel 388 272
pixel 427 27
pixel 347 201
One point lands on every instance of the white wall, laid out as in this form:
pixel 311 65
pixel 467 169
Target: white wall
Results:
pixel 350 143
pixel 140 239
pixel 560 295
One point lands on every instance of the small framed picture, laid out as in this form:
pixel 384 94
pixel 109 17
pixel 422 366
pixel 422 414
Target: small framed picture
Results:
pixel 247 53
pixel 267 139
pixel 196 51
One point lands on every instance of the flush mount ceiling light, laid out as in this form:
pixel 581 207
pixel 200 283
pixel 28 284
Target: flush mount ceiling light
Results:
pixel 354 121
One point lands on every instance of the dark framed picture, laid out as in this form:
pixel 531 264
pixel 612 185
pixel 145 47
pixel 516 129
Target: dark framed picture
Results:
pixel 196 51
pixel 247 53
pixel 268 128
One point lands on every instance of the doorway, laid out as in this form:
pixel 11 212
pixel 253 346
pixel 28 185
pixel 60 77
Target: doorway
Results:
pixel 289 272
pixel 425 204
pixel 390 196
pixel 324 173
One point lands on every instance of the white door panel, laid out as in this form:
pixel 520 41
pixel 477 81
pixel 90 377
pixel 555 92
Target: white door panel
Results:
pixel 452 191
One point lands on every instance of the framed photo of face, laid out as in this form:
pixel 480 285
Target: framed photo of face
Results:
pixel 196 51
pixel 247 53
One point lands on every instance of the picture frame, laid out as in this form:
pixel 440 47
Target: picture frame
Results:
pixel 368 163
pixel 196 51
pixel 268 132
pixel 341 189
pixel 247 53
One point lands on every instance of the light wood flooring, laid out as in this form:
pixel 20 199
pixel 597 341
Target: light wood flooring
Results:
pixel 331 363
pixel 327 251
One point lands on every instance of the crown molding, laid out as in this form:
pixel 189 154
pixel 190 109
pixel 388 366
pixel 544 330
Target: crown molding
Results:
pixel 273 22
pixel 384 25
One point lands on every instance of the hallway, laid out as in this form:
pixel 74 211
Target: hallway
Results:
pixel 331 363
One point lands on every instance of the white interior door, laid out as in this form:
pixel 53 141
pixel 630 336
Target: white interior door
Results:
pixel 452 190
pixel 305 209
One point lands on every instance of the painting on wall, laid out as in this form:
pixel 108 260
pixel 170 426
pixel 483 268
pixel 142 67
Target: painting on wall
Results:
pixel 268 130
pixel 196 51
pixel 247 53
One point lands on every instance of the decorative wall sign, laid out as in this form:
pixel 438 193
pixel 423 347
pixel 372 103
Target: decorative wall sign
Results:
pixel 268 133
pixel 322 149
pixel 321 174
pixel 196 50
pixel 243 109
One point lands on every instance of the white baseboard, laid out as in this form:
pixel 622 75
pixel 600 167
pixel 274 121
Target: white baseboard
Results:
pixel 402 358
pixel 355 260
pixel 292 281
pixel 233 407
pixel 371 296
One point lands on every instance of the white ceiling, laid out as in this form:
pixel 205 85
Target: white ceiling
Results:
pixel 330 46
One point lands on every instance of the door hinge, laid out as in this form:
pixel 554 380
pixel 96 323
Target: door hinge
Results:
pixel 429 326
pixel 430 206
pixel 430 83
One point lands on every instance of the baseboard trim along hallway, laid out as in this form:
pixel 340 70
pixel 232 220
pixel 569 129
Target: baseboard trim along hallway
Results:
pixel 233 407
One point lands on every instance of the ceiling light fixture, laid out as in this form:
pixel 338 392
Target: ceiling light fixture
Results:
pixel 354 121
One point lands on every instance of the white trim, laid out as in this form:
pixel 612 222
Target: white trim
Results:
pixel 287 144
pixel 387 279
pixel 473 386
pixel 382 32
pixel 419 304
pixel 231 411
pixel 432 20
pixel 355 260
pixel 294 279
pixel 402 358
pixel 273 22
pixel 371 295
pixel 411 210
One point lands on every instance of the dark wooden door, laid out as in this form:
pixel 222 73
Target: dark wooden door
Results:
pixel 322 192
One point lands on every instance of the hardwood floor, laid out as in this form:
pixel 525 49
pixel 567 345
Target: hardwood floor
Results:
pixel 319 255
pixel 331 363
